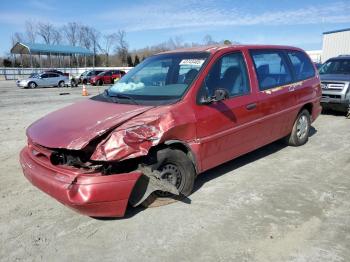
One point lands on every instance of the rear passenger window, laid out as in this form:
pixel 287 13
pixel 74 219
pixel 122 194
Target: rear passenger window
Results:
pixel 271 69
pixel 302 66
pixel 53 75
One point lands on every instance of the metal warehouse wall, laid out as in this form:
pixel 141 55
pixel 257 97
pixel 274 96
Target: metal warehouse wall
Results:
pixel 334 44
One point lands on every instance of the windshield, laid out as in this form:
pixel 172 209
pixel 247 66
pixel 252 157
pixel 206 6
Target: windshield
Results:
pixel 101 74
pixel 336 66
pixel 161 78
pixel 34 75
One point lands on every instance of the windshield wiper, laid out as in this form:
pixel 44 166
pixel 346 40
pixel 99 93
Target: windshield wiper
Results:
pixel 118 95
pixel 122 96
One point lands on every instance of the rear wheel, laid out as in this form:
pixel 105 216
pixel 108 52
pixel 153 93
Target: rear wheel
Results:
pixel 61 84
pixel 32 85
pixel 301 128
pixel 176 168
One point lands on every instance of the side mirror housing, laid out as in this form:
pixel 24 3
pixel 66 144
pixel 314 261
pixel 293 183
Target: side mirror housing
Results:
pixel 219 95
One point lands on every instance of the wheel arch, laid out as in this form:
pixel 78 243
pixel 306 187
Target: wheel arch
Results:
pixel 186 148
pixel 28 85
pixel 180 145
pixel 308 107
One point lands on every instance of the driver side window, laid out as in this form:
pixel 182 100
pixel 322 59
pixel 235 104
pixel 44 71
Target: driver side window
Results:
pixel 229 72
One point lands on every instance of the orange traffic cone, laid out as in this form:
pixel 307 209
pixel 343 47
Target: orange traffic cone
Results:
pixel 85 92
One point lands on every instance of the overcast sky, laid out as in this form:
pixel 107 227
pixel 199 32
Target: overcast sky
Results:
pixel 148 22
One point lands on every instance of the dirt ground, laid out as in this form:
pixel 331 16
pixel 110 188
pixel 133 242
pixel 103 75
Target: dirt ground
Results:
pixel 275 204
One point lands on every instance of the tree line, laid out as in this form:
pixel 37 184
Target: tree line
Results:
pixel 108 49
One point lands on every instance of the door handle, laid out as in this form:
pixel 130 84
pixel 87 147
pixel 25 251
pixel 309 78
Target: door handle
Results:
pixel 251 106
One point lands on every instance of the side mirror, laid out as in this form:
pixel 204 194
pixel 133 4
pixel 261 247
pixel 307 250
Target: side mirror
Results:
pixel 219 95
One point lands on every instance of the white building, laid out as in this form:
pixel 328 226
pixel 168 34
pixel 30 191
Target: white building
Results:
pixel 315 55
pixel 335 43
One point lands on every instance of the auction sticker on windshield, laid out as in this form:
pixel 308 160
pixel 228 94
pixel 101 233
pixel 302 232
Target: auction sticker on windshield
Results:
pixel 194 62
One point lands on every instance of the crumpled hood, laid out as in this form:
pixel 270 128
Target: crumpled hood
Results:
pixel 335 77
pixel 74 126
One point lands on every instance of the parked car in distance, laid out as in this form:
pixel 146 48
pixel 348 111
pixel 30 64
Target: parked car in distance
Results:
pixel 43 80
pixel 57 72
pixel 106 77
pixel 318 65
pixel 87 75
pixel 335 83
pixel 176 115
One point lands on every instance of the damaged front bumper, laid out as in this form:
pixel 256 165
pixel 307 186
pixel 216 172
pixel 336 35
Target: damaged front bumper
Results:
pixel 90 194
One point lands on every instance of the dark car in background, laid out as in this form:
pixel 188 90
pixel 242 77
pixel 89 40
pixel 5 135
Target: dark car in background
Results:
pixel 318 65
pixel 56 72
pixel 107 77
pixel 335 83
pixel 86 76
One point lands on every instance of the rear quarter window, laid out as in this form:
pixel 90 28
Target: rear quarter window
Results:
pixel 302 66
pixel 271 68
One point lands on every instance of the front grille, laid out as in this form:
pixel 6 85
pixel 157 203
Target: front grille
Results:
pixel 332 85
pixel 332 96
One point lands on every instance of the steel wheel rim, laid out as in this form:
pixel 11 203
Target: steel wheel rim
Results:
pixel 302 127
pixel 32 85
pixel 172 174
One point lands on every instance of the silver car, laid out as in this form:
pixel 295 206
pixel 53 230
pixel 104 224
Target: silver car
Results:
pixel 43 80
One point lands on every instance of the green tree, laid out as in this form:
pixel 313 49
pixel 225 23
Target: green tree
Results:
pixel 227 42
pixel 129 60
pixel 7 62
pixel 137 60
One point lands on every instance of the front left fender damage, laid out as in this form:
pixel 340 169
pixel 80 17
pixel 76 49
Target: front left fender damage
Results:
pixel 136 137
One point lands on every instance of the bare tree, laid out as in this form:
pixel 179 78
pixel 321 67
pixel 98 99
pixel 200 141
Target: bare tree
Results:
pixel 71 31
pixel 122 47
pixel 30 31
pixel 94 37
pixel 17 37
pixel 46 32
pixel 109 41
pixel 208 40
pixel 56 36
pixel 83 36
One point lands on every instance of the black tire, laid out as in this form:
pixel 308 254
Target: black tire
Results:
pixel 100 82
pixel 73 83
pixel 84 81
pixel 32 85
pixel 179 170
pixel 61 84
pixel 301 128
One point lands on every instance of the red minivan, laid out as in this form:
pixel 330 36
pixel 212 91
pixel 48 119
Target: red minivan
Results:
pixel 175 115
pixel 107 77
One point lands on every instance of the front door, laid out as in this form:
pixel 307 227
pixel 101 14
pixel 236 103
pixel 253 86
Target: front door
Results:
pixel 228 128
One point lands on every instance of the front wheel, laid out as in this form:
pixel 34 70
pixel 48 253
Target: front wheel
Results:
pixel 32 85
pixel 61 84
pixel 301 128
pixel 176 168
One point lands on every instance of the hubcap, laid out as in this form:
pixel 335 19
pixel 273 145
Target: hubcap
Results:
pixel 172 174
pixel 302 127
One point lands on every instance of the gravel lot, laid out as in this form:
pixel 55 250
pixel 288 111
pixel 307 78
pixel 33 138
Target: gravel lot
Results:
pixel 275 204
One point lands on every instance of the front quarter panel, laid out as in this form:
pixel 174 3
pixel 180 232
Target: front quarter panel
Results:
pixel 136 137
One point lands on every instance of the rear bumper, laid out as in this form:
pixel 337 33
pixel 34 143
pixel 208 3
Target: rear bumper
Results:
pixel 89 194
